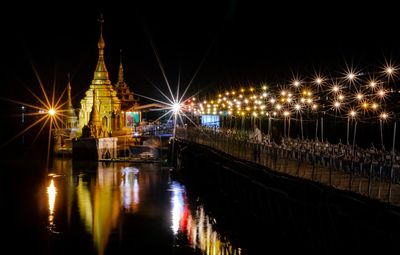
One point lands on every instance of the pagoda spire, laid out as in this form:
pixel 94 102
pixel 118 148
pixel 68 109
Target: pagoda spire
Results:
pixel 121 69
pixel 70 117
pixel 69 93
pixel 101 73
pixel 94 114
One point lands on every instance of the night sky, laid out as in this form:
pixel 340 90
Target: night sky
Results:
pixel 240 42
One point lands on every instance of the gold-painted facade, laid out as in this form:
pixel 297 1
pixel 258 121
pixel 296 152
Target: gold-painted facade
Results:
pixel 108 104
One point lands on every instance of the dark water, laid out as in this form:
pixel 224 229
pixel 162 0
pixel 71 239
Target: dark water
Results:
pixel 118 208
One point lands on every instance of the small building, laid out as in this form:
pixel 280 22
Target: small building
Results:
pixel 210 120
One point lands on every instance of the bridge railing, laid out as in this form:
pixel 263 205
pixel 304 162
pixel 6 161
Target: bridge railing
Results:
pixel 377 178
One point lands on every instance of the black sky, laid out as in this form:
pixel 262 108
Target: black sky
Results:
pixel 241 42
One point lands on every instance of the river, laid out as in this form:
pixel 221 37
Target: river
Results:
pixel 114 208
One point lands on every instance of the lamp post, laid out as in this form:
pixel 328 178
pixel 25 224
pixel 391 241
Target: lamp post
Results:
pixel 382 118
pixel 23 121
pixel 394 137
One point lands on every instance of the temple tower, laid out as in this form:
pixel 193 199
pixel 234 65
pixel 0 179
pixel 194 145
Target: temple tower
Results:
pixel 106 97
pixel 71 120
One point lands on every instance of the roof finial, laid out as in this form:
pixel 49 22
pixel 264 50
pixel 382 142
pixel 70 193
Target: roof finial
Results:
pixel 101 74
pixel 101 21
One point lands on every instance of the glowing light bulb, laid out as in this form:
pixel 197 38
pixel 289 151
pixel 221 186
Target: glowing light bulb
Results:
pixel 52 111
pixel 176 107
pixel 389 70
pixel 351 76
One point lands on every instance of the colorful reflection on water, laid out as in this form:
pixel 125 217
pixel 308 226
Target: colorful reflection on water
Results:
pixel 122 205
pixel 196 225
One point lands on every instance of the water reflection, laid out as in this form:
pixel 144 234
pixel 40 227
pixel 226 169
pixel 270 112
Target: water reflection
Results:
pixel 124 207
pixel 177 205
pixel 51 193
pixel 99 204
pixel 196 225
pixel 130 189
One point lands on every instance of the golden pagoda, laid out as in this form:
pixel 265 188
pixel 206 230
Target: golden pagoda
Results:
pixel 123 92
pixel 70 118
pixel 108 104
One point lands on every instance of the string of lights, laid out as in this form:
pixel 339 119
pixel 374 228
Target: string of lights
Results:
pixel 356 95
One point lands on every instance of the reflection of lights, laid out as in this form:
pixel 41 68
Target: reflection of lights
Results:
pixel 135 191
pixel 85 204
pixel 51 191
pixel 198 227
pixel 177 205
pixel 130 188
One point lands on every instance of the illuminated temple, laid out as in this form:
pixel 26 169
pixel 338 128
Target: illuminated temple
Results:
pixel 109 116
pixel 105 118
pixel 111 102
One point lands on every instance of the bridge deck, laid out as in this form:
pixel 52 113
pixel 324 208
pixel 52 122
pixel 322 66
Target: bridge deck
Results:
pixel 369 180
